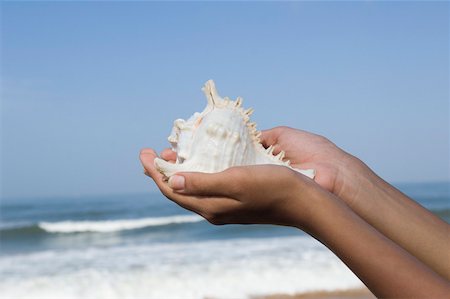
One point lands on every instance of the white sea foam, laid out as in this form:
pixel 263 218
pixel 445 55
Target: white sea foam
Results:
pixel 115 225
pixel 237 268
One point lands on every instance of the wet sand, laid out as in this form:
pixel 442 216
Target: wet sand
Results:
pixel 362 293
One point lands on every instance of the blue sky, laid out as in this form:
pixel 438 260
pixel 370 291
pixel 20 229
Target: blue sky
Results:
pixel 85 85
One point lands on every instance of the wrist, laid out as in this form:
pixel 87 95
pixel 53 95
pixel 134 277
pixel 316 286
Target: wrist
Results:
pixel 320 208
pixel 354 178
pixel 306 204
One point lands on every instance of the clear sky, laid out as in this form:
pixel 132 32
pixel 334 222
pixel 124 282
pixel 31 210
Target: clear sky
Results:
pixel 85 86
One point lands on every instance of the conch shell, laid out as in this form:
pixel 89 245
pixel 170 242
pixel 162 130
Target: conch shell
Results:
pixel 219 137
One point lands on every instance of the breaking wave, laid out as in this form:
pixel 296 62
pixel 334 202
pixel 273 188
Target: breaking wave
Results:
pixel 100 226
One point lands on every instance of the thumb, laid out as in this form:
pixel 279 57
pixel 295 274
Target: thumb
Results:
pixel 225 183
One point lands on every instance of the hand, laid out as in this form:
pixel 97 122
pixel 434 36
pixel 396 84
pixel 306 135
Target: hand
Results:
pixel 336 170
pixel 264 194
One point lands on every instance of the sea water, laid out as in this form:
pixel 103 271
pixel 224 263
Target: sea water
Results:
pixel 145 246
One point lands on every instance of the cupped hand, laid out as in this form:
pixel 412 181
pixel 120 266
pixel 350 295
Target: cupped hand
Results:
pixel 264 194
pixel 336 170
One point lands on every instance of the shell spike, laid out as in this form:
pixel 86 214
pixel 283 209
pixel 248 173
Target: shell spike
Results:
pixel 238 102
pixel 258 136
pixel 269 150
pixel 249 111
pixel 280 156
pixel 210 91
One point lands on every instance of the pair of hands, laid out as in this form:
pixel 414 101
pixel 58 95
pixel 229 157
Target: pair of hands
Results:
pixel 263 194
pixel 395 246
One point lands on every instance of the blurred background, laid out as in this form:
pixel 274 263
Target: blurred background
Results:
pixel 85 86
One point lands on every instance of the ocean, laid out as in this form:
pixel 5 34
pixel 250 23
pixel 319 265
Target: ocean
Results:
pixel 145 246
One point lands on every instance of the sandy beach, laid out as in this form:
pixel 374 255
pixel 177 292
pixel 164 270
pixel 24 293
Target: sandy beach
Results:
pixel 362 293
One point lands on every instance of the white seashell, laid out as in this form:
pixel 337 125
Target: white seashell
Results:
pixel 219 137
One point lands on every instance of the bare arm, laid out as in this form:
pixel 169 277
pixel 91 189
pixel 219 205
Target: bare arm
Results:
pixel 399 218
pixel 388 210
pixel 384 267
pixel 278 195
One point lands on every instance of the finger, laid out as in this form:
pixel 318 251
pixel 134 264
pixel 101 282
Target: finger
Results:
pixel 226 183
pixel 217 210
pixel 147 157
pixel 221 210
pixel 169 155
pixel 269 137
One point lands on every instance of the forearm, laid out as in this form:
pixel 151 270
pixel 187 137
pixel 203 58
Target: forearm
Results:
pixel 399 218
pixel 386 269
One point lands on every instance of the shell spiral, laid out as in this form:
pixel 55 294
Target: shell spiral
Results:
pixel 219 137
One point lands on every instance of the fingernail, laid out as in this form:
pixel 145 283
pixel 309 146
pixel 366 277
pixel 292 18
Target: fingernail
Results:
pixel 176 182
